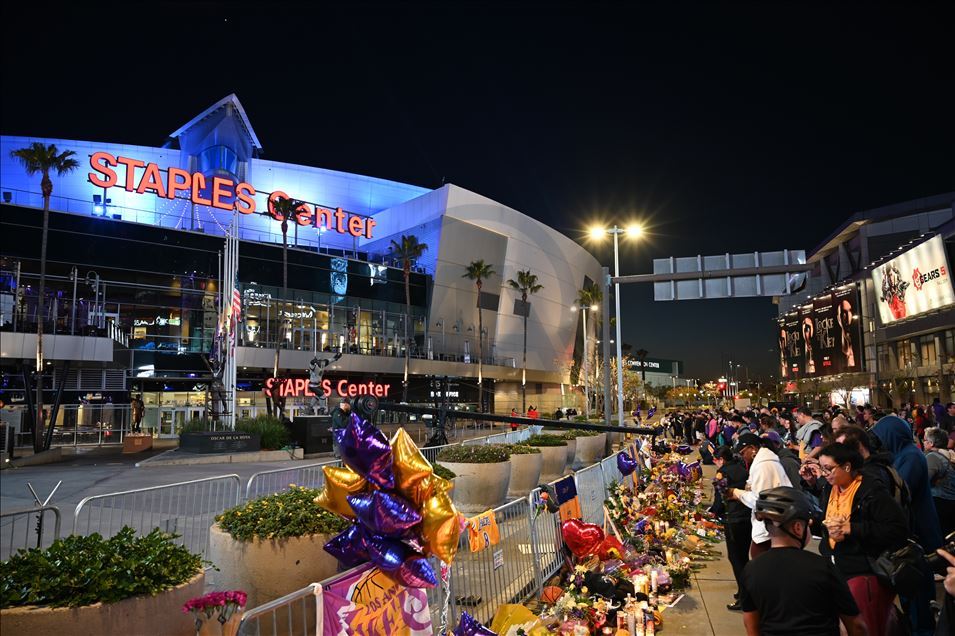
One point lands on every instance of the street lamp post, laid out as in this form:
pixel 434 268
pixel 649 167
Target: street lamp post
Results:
pixel 633 231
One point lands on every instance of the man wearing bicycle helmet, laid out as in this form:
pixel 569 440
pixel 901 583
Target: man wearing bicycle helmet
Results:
pixel 789 591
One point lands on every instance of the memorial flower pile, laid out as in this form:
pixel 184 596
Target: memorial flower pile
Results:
pixel 628 571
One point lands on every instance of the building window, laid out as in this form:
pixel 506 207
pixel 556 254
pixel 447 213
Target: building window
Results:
pixel 949 355
pixel 218 159
pixel 884 357
pixel 927 351
pixel 908 357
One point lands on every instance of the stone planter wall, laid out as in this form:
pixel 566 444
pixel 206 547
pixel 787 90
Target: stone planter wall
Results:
pixel 269 568
pixel 554 462
pixel 159 615
pixel 590 450
pixel 571 451
pixel 525 473
pixel 479 487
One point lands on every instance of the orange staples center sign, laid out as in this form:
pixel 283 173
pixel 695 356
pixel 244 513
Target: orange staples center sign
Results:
pixel 219 192
pixel 298 387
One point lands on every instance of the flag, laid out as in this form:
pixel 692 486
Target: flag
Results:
pixel 236 304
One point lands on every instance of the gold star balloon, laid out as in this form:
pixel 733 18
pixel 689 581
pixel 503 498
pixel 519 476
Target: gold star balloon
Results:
pixel 440 527
pixel 339 483
pixel 413 472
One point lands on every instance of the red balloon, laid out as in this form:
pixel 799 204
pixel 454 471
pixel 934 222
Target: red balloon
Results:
pixel 582 538
pixel 609 543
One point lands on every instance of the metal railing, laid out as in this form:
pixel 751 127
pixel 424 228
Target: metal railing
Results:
pixel 187 508
pixel 294 614
pixel 498 574
pixel 268 482
pixel 25 529
pixel 591 492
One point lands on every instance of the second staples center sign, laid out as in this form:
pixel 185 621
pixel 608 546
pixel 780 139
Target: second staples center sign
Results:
pixel 298 387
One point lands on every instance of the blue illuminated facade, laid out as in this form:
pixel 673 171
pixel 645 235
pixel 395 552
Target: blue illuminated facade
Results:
pixel 345 293
pixel 218 142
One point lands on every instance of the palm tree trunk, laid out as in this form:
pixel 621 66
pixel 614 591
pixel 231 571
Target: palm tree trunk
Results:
pixel 404 387
pixel 38 428
pixel 480 354
pixel 524 373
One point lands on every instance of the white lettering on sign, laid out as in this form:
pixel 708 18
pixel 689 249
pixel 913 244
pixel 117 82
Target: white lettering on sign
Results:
pixel 159 321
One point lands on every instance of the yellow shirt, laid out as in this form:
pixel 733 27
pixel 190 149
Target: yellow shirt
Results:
pixel 482 531
pixel 840 503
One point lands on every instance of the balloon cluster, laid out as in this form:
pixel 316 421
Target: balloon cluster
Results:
pixel 401 511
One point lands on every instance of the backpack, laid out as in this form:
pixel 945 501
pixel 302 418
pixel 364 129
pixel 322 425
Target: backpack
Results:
pixel 899 490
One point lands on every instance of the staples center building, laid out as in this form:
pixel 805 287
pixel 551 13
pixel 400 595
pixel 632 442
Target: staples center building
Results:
pixel 134 266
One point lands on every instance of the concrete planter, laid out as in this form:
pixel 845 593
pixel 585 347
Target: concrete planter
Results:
pixel 554 462
pixel 590 450
pixel 571 451
pixel 269 568
pixel 525 473
pixel 479 487
pixel 160 615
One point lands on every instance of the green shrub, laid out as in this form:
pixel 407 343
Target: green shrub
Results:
pixel 291 513
pixel 82 570
pixel 545 440
pixel 196 426
pixel 270 430
pixel 522 449
pixel 443 472
pixel 487 454
pixel 575 433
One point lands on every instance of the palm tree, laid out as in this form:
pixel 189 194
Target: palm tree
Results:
pixel 479 271
pixel 527 284
pixel 409 250
pixel 587 298
pixel 43 159
pixel 283 208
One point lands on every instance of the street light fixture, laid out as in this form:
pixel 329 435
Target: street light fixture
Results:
pixel 633 231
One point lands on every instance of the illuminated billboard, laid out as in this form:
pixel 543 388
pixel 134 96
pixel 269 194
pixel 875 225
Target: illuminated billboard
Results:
pixel 823 337
pixel 914 282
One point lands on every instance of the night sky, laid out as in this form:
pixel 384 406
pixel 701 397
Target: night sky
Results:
pixel 752 126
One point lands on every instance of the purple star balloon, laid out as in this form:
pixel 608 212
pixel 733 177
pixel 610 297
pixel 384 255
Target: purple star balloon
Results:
pixel 416 572
pixel 366 450
pixel 469 626
pixel 348 547
pixel 383 512
pixel 625 463
pixel 387 554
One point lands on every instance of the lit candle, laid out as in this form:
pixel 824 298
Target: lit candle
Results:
pixel 653 581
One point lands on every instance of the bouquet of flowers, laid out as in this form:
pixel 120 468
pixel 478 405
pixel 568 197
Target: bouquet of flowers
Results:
pixel 222 605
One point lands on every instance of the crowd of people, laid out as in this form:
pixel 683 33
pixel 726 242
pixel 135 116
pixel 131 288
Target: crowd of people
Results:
pixel 876 489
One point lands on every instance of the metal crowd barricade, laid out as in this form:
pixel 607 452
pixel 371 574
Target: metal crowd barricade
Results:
pixel 431 452
pixel 611 474
pixel 591 493
pixel 268 482
pixel 295 614
pixel 187 508
pixel 498 574
pixel 545 539
pixel 25 529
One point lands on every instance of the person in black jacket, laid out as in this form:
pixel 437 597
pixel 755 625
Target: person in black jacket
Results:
pixel 861 522
pixel 736 518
